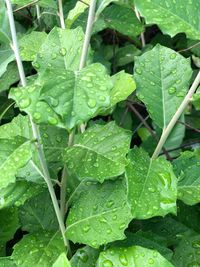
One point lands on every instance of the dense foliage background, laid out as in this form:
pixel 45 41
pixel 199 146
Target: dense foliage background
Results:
pixel 98 124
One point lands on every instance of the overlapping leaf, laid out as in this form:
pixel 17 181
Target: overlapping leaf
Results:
pixel 158 71
pixel 99 153
pixel 62 261
pixel 105 218
pixel 187 169
pixel 85 257
pixel 172 16
pixel 134 256
pixel 152 185
pixel 40 249
pixel 14 154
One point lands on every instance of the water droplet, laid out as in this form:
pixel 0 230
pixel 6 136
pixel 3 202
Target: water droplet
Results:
pixel 24 102
pixel 63 51
pixel 52 121
pixel 152 83
pixel 82 256
pixel 107 263
pixel 92 103
pixel 123 260
pixel 53 56
pixel 122 226
pixel 151 189
pixel 86 228
pixel 173 56
pixel 102 98
pixel 172 90
pixel 151 261
pixel 110 203
pixel 36 65
pixel 138 71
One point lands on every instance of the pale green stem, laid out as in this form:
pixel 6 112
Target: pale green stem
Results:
pixel 176 116
pixel 142 34
pixel 38 13
pixel 88 33
pixel 61 15
pixel 35 129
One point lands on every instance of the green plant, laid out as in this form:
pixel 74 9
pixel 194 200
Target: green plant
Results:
pixel 99 158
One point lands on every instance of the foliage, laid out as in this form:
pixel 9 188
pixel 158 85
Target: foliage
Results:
pixel 94 128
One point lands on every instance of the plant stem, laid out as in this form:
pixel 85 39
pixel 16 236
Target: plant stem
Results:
pixel 88 33
pixel 35 129
pixel 142 34
pixel 176 116
pixel 38 15
pixel 61 15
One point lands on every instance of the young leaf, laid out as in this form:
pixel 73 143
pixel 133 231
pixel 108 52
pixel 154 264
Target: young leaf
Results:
pixel 30 45
pixel 4 24
pixel 99 153
pixel 62 261
pixel 6 56
pixel 172 16
pixel 61 50
pixel 85 257
pixel 35 217
pixel 134 256
pixel 159 71
pixel 9 77
pixel 40 249
pixel 152 185
pixel 14 154
pixel 105 218
pixel 66 98
pixel 125 81
pixel 187 169
pixel 129 24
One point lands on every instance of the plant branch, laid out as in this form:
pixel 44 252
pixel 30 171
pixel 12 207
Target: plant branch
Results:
pixel 61 15
pixel 38 13
pixel 35 129
pixel 148 128
pixel 142 34
pixel 27 5
pixel 176 116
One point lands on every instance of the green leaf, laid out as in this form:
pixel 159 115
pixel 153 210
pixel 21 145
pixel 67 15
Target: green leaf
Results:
pixel 148 240
pixel 124 85
pixel 135 256
pixel 62 261
pixel 4 24
pixel 61 50
pixel 17 193
pixel 42 3
pixel 10 76
pixel 171 16
pixel 14 154
pixel 196 99
pixel 6 56
pixel 152 185
pixel 126 55
pixel 35 217
pixel 85 257
pixel 9 223
pixel 106 217
pixel 7 262
pixel 66 98
pixel 30 45
pixel 159 71
pixel 40 249
pixel 99 153
pixel 187 170
pixel 187 253
pixel 121 19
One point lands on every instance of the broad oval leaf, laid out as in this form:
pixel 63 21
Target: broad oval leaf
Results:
pixel 99 153
pixel 172 16
pixel 158 71
pixel 7 262
pixel 152 185
pixel 40 249
pixel 14 154
pixel 35 217
pixel 106 217
pixel 187 169
pixel 61 50
pixel 66 98
pixel 134 256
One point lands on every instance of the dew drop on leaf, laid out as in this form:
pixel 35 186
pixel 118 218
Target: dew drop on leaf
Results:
pixel 107 263
pixel 24 102
pixel 123 260
pixel 138 71
pixel 173 56
pixel 91 103
pixel 52 121
pixel 172 90
pixel 63 51
pixel 151 261
pixel 36 115
pixel 86 228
